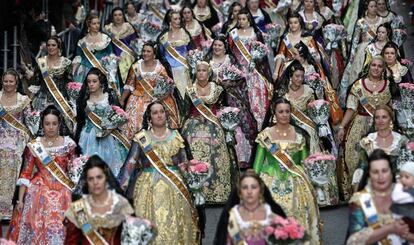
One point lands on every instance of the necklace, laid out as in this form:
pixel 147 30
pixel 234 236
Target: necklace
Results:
pixel 375 84
pixel 162 136
pixel 97 205
pixel 51 141
pixel 384 138
pixel 251 211
pixel 381 194
pixel 283 133
pixel 294 89
pixel 202 86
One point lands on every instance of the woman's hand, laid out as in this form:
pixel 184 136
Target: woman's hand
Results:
pixel 275 76
pixel 340 135
pixel 400 228
pixel 19 206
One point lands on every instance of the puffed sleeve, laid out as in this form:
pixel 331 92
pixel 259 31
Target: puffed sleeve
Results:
pixel 352 101
pixel 260 157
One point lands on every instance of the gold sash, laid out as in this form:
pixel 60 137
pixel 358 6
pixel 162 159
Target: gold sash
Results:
pixel 97 121
pixel 370 109
pixel 156 12
pixel 40 152
pixel 246 55
pixel 301 117
pixel 234 229
pixel 201 107
pixel 142 139
pixel 122 46
pixel 82 218
pixel 370 31
pixel 177 56
pixel 14 122
pixel 150 90
pixel 53 89
pixel 270 4
pixel 95 63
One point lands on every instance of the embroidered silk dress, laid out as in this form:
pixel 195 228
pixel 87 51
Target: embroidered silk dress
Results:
pixel 46 199
pixel 12 144
pixel 141 96
pixel 155 197
pixel 207 144
pixel 289 185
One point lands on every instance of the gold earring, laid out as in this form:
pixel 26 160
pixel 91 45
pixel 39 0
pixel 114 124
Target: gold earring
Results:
pixel 391 125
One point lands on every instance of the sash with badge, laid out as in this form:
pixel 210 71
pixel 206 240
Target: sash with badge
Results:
pixel 201 107
pixel 12 121
pixel 40 152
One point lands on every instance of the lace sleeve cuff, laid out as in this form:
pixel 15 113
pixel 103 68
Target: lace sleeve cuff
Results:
pixel 360 237
pixel 24 182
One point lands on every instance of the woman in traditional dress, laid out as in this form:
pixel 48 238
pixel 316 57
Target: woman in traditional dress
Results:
pixel 158 192
pixel 14 136
pixel 101 206
pixel 141 82
pixel 370 217
pixel 95 133
pixel 125 40
pixel 93 48
pixel 220 59
pixel 280 152
pixel 292 36
pixel 45 188
pixel 232 19
pixel 258 82
pixel 261 17
pixel 371 90
pixel 247 212
pixel 132 15
pixel 384 10
pixel 384 138
pixel 205 13
pixel 48 86
pixel 175 42
pixel 153 15
pixel 206 136
pixel 400 72
pixel 313 21
pixel 197 31
pixel 364 33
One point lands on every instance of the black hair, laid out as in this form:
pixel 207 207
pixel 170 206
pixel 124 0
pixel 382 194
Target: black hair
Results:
pixel 282 84
pixel 81 102
pixel 377 154
pixel 388 27
pixel 234 199
pixel 222 38
pixel 147 114
pixel 50 110
pixel 117 9
pixel 294 15
pixel 58 40
pixel 96 162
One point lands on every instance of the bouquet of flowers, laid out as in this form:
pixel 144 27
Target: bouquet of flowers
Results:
pixel 404 108
pixel 196 174
pixel 408 63
pixel 282 5
pixel 258 51
pixel 137 231
pixel 75 168
pixel 73 89
pixel 398 23
pixel 272 35
pixel 206 45
pixel 284 231
pixel 231 72
pixel 193 57
pixel 315 81
pixel 136 46
pixel 114 118
pixel 319 166
pixel 217 27
pixel 406 154
pixel 33 121
pixel 334 34
pixel 230 119
pixel 152 28
pixel 318 111
pixel 110 63
pixel 163 87
pixel 399 36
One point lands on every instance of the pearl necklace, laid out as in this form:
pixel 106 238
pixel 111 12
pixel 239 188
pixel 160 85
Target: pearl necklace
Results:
pixel 283 133
pixel 97 205
pixel 162 136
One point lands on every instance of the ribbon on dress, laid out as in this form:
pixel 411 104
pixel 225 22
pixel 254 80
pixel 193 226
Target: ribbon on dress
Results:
pixel 234 229
pixel 246 55
pixel 142 139
pixel 369 31
pixel 121 45
pixel 97 121
pixel 302 118
pixel 156 12
pixel 12 121
pixel 82 218
pixel 53 89
pixel 370 109
pixel 177 56
pixel 201 107
pixel 40 152
pixel 95 63
pixel 150 91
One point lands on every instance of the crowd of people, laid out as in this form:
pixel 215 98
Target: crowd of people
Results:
pixel 290 105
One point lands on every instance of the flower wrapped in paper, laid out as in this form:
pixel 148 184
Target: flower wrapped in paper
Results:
pixel 194 56
pixel 196 174
pixel 272 35
pixel 282 5
pixel 33 121
pixel 163 87
pixel 406 154
pixel 152 28
pixel 115 117
pixel 75 168
pixel 399 36
pixel 110 64
pixel 137 231
pixel 315 81
pixel 258 51
pixel 73 89
pixel 318 111
pixel 206 45
pixel 284 231
pixel 333 35
pixel 229 119
pixel 231 72
pixel 404 109
pixel 319 167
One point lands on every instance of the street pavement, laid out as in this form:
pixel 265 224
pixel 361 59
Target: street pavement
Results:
pixel 335 219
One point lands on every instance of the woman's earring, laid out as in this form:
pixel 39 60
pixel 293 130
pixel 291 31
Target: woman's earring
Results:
pixel 274 119
pixel 391 126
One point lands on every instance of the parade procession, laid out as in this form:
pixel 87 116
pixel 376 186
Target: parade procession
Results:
pixel 189 122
